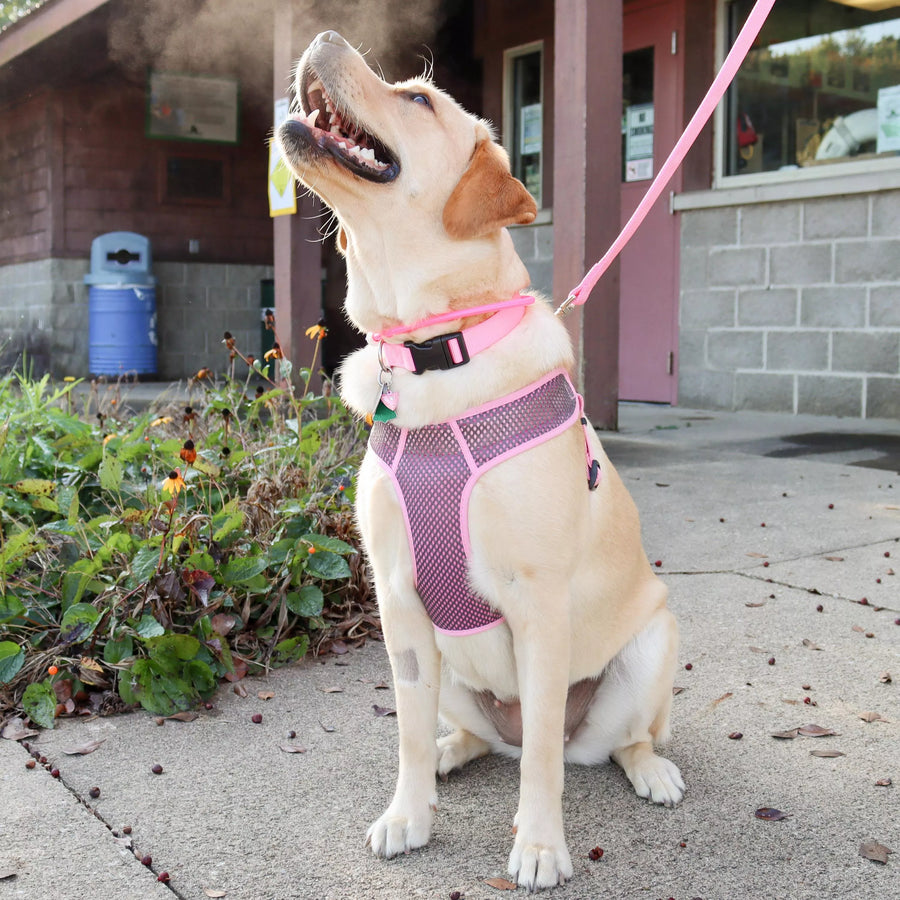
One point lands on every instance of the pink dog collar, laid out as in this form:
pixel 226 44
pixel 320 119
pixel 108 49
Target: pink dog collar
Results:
pixel 447 351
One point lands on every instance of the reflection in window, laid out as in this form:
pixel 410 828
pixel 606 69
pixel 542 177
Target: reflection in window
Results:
pixel 524 116
pixel 821 85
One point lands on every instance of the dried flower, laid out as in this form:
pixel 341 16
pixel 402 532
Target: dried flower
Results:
pixel 274 353
pixel 188 453
pixel 203 373
pixel 228 340
pixel 162 420
pixel 269 318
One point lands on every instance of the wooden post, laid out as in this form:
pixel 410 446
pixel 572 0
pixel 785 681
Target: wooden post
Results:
pixel 586 187
pixel 297 242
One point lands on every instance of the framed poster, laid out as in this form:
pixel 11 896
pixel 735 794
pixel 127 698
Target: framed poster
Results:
pixel 192 108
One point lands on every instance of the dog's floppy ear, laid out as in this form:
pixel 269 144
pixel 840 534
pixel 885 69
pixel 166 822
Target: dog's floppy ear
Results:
pixel 487 197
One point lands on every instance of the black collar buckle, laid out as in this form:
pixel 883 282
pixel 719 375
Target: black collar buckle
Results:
pixel 435 353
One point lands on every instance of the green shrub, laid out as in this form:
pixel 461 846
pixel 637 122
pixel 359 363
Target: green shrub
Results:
pixel 143 557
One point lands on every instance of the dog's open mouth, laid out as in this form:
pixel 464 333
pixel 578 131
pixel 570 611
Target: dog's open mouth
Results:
pixel 325 128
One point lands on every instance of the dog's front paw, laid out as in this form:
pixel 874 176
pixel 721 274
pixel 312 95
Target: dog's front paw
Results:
pixel 399 831
pixel 659 780
pixel 539 865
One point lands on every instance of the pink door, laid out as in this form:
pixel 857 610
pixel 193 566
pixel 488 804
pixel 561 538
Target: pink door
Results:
pixel 651 123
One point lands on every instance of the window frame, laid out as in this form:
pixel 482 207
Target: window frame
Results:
pixel 510 55
pixel 848 171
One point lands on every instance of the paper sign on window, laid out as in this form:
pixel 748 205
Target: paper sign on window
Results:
pixel 639 142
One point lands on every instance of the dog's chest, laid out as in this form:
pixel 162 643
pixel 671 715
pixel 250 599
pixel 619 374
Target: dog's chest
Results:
pixel 434 470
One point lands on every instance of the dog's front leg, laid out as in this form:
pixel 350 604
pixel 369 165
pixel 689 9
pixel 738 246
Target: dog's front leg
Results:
pixel 539 857
pixel 415 662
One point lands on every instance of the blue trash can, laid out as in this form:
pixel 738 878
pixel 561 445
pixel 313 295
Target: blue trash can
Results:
pixel 121 306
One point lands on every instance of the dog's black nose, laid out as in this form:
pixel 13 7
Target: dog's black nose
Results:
pixel 329 37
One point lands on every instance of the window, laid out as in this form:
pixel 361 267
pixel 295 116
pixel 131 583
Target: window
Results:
pixel 523 115
pixel 194 179
pixel 821 86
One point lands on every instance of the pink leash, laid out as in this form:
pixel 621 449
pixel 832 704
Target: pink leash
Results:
pixel 729 69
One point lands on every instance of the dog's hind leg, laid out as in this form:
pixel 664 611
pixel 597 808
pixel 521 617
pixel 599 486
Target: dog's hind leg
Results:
pixel 459 748
pixel 630 713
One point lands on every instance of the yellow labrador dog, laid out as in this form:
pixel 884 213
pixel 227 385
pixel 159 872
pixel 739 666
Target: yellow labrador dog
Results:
pixel 516 599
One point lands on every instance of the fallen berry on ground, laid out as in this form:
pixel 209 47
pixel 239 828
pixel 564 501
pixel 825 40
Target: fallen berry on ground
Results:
pixel 126 829
pixel 596 853
pixel 147 860
pixel 256 718
pixel 54 773
pixel 157 769
pixel 94 792
pixel 30 764
pixel 736 735
pixel 163 877
pixel 771 660
pixel 689 666
pixel 820 608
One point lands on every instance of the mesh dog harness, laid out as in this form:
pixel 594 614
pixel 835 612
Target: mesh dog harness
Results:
pixel 434 470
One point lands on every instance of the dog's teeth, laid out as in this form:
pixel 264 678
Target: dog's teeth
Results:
pixel 368 153
pixel 311 118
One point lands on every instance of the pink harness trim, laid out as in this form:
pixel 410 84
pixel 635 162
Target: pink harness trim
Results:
pixel 434 470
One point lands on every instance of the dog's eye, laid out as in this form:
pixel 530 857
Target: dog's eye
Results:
pixel 421 98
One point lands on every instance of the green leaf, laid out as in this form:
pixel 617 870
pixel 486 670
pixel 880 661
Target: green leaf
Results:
pixel 324 542
pixel 11 607
pixel 206 467
pixel 39 703
pixel 18 547
pixel 178 646
pixel 225 525
pixel 12 658
pixel 327 566
pixel 37 486
pixel 73 587
pixel 117 649
pixel 74 505
pixel 144 564
pixel 111 473
pixel 78 623
pixel 240 570
pixel 201 676
pixel 148 627
pixel 48 504
pixel 279 551
pixel 290 650
pixel 308 601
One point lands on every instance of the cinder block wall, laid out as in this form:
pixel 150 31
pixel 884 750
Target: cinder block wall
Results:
pixel 44 312
pixel 196 303
pixel 792 306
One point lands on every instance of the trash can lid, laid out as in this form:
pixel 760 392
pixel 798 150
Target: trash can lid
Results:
pixel 120 258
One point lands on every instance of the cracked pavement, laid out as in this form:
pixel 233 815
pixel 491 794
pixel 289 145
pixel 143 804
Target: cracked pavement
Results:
pixel 755 525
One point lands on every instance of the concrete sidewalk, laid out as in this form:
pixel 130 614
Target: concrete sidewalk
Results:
pixel 769 536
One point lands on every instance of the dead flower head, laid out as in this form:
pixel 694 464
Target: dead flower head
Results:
pixel 188 452
pixel 274 353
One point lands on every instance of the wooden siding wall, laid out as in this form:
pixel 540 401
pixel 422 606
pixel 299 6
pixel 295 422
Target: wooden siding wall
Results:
pixel 501 25
pixel 77 164
pixel 24 181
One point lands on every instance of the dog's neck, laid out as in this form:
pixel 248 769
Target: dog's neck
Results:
pixel 387 285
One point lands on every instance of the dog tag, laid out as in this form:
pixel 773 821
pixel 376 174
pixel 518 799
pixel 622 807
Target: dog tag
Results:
pixel 383 412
